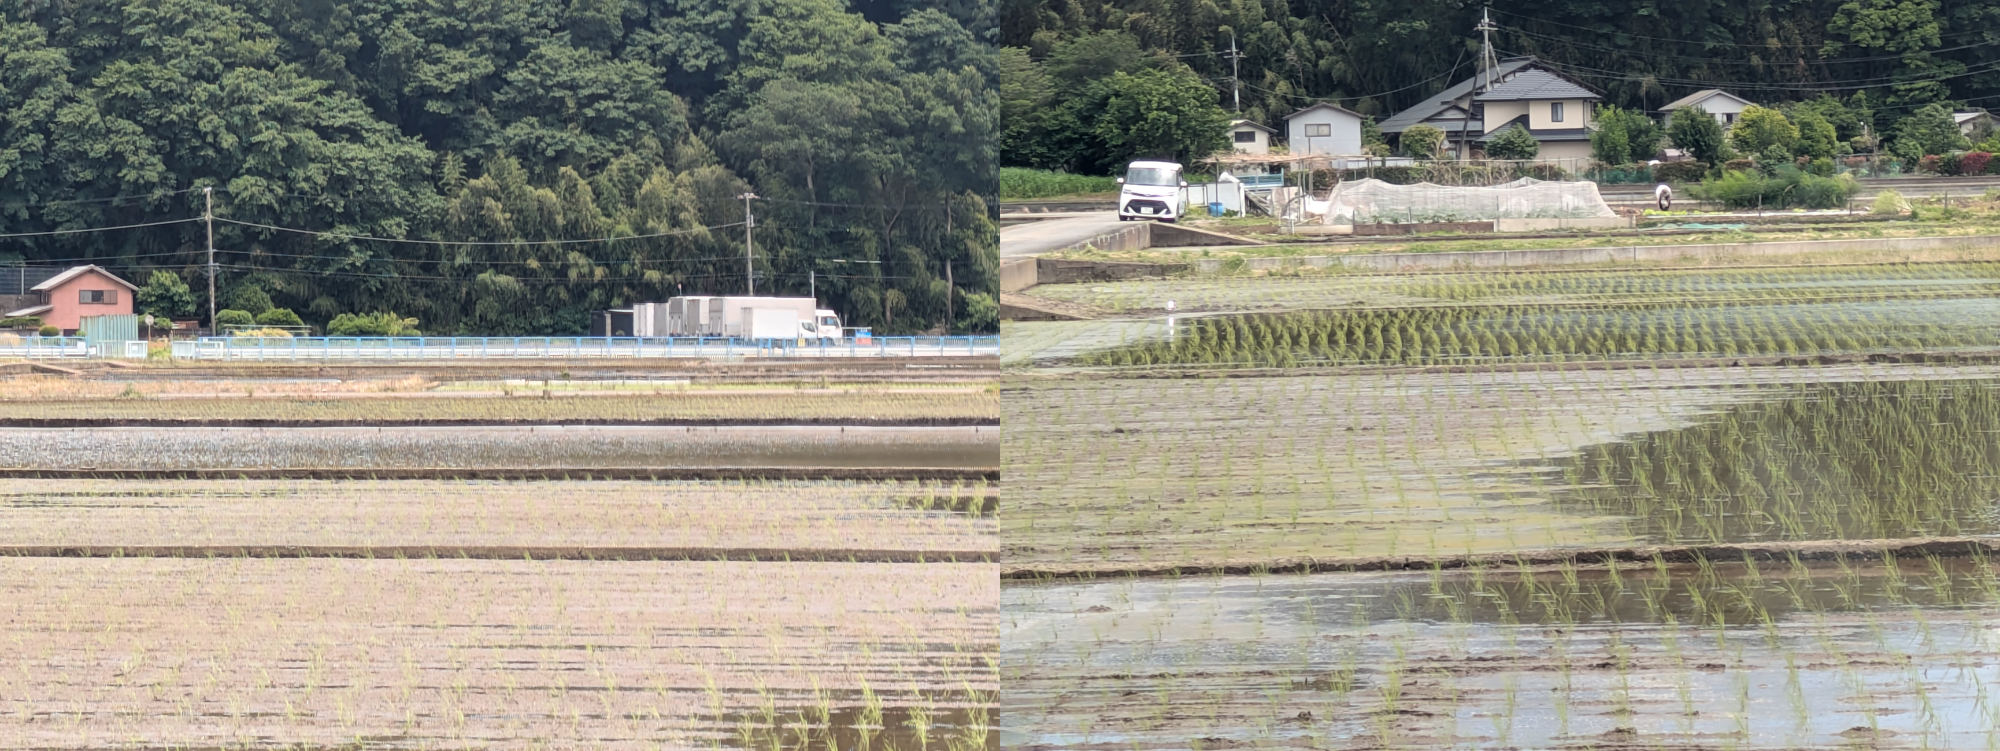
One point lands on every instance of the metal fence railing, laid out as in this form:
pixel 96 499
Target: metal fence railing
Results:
pixel 43 347
pixel 475 347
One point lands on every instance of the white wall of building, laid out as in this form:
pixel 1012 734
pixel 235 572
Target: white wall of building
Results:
pixel 1342 132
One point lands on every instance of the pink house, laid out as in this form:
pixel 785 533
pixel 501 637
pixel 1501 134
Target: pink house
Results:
pixel 67 297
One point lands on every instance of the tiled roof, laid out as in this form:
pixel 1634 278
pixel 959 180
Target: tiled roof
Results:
pixel 1424 110
pixel 1535 83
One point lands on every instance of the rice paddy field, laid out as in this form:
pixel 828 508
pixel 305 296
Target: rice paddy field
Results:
pixel 182 605
pixel 1745 508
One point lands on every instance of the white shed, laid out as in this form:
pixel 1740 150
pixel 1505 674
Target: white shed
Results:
pixel 1250 137
pixel 1971 123
pixel 1722 104
pixel 1324 129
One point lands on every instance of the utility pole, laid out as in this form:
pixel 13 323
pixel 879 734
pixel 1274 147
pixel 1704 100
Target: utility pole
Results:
pixel 1487 64
pixel 812 284
pixel 208 215
pixel 1235 80
pixel 749 249
pixel 949 290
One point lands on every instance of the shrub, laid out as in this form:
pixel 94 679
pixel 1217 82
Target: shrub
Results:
pixel 263 333
pixel 1422 141
pixel 234 318
pixel 1931 164
pixel 1888 203
pixel 1680 172
pixel 1822 166
pixel 1019 182
pixel 279 317
pixel 1739 165
pixel 21 322
pixel 1513 143
pixel 1791 187
pixel 49 331
pixel 1974 163
pixel 1948 164
pixel 372 324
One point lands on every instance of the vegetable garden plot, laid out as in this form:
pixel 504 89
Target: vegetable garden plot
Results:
pixel 1718 654
pixel 773 516
pixel 408 654
pixel 496 447
pixel 1112 474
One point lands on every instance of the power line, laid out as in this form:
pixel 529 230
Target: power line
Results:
pixel 97 229
pixel 1815 61
pixel 1759 86
pixel 1941 37
pixel 67 202
pixel 475 242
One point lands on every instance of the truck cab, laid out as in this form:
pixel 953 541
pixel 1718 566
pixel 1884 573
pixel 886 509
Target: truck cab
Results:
pixel 1151 190
pixel 825 327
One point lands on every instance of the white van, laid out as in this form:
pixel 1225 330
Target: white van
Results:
pixel 1151 190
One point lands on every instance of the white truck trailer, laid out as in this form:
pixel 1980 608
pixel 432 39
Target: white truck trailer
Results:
pixel 737 317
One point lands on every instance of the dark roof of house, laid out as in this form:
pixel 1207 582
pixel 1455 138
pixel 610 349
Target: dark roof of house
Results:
pixel 1234 124
pixel 1535 83
pixel 1544 134
pixel 1424 110
pixel 1323 105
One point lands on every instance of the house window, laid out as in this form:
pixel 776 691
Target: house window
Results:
pixel 99 297
pixel 1246 136
pixel 1320 129
pixel 1555 112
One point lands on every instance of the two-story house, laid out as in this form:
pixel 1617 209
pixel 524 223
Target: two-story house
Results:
pixel 1519 92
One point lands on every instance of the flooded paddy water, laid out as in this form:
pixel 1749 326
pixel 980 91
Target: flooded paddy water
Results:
pixel 1821 654
pixel 1460 425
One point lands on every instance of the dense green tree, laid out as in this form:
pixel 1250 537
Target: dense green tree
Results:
pixel 1929 130
pixel 464 161
pixel 1623 136
pixel 1696 132
pixel 1162 113
pixel 1818 139
pixel 165 296
pixel 1765 133
pixel 1379 58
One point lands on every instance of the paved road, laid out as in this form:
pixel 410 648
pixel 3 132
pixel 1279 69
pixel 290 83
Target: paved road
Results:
pixel 1036 238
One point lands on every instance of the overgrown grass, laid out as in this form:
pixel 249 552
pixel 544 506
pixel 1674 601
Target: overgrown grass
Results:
pixel 1789 188
pixel 1020 182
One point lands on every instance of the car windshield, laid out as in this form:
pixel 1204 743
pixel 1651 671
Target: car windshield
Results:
pixel 1152 176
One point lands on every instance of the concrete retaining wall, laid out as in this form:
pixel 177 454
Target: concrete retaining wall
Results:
pixel 1378 230
pixel 1053 271
pixel 1176 236
pixel 1563 256
pixel 1546 224
pixel 1017 274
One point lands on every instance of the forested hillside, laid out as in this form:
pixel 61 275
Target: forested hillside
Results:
pixel 1064 57
pixel 868 129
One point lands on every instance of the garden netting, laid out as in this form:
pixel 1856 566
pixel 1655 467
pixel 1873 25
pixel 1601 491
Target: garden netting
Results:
pixel 1369 201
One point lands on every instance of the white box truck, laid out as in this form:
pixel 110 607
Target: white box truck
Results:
pixel 738 317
